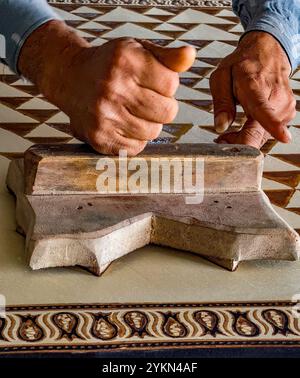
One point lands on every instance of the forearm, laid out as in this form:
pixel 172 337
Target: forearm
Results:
pixel 46 54
pixel 279 18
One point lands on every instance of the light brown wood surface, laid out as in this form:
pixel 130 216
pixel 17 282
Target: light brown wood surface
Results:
pixel 72 169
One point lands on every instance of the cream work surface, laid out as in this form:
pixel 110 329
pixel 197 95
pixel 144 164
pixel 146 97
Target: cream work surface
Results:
pixel 248 306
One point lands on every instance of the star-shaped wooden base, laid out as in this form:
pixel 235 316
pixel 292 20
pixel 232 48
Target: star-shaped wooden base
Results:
pixel 67 222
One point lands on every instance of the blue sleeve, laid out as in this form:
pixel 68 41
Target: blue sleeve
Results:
pixel 18 19
pixel 281 18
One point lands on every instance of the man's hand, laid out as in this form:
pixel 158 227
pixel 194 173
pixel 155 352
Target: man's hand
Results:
pixel 255 75
pixel 117 95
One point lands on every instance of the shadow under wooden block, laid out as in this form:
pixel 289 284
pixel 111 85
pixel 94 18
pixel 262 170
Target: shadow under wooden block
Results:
pixel 67 222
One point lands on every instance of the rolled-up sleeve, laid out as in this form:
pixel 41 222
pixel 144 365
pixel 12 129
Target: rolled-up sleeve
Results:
pixel 281 18
pixel 18 19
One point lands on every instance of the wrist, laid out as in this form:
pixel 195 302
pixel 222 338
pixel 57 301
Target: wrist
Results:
pixel 261 43
pixel 46 56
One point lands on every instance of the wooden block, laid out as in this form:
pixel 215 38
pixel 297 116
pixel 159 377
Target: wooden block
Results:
pixel 93 230
pixel 75 169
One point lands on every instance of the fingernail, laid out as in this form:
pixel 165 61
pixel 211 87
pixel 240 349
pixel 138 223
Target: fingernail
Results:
pixel 287 134
pixel 221 122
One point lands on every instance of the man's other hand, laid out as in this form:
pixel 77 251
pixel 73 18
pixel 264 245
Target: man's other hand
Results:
pixel 256 76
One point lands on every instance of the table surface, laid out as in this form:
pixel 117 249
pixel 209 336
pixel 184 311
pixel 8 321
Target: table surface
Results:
pixel 150 283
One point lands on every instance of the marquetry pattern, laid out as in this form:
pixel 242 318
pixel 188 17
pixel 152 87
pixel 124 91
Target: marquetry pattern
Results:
pixel 26 117
pixel 134 326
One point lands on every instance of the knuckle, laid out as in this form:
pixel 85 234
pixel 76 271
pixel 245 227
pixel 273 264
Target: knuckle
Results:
pixel 172 84
pixel 135 149
pixel 154 132
pixel 120 59
pixel 145 130
pixel 170 110
pixel 101 147
pixel 224 104
pixel 112 145
pixel 122 53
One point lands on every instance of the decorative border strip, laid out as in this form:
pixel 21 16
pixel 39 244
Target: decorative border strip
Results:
pixel 152 3
pixel 90 327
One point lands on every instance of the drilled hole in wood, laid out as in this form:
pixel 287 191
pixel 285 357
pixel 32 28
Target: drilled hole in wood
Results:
pixel 79 208
pixel 90 204
pixel 228 207
pixel 216 201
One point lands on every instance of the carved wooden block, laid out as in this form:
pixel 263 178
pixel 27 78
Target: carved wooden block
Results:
pixel 67 222
pixel 72 169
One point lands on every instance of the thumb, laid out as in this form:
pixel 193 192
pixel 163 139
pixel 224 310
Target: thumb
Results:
pixel 176 59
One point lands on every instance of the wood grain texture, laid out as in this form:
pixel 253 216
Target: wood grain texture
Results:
pixel 73 169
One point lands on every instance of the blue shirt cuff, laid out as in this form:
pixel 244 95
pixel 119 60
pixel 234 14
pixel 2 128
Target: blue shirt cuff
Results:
pixel 19 18
pixel 279 29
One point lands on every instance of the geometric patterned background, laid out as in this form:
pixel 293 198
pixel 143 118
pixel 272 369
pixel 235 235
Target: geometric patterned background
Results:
pixel 26 117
